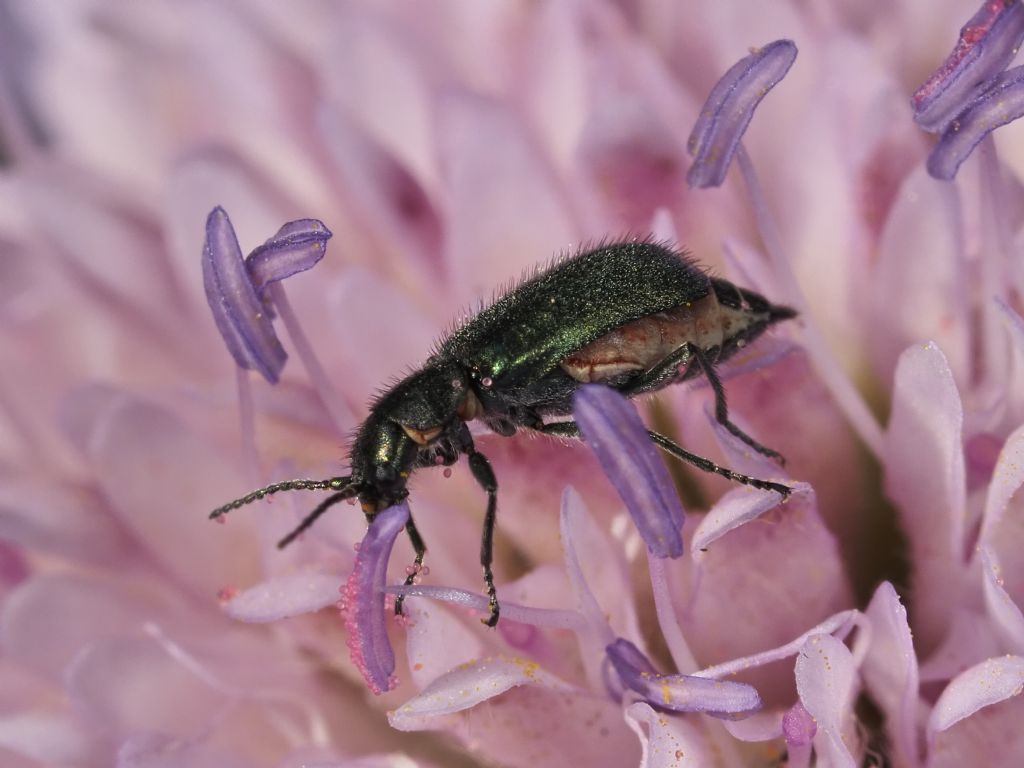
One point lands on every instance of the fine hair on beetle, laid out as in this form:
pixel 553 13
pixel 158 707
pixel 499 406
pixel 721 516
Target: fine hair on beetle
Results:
pixel 636 316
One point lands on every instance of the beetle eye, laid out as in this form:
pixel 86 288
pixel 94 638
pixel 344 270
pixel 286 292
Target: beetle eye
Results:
pixel 422 436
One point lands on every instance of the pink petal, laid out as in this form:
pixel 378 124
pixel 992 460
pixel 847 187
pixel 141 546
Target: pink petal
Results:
pixel 738 506
pixel 991 737
pixel 393 203
pixel 467 686
pixel 838 625
pixel 553 74
pixel 971 638
pixel 111 685
pixel 511 712
pixel 925 477
pixel 1006 481
pixel 52 739
pixel 791 579
pixel 100 238
pixel 163 489
pixel 403 339
pixel 437 642
pixel 890 671
pixel 760 726
pixel 387 84
pixel 631 158
pixel 1001 540
pixel 990 682
pixel 597 573
pixel 285 596
pixel 920 252
pixel 1004 612
pixel 826 680
pixel 48 619
pixel 155 750
pixel 14 568
pixel 471 127
pixel 668 741
pixel 49 517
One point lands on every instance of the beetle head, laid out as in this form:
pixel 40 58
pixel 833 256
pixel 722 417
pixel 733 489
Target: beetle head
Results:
pixel 415 413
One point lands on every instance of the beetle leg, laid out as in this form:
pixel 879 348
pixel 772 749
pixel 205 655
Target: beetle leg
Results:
pixel 420 548
pixel 722 409
pixel 570 429
pixel 661 375
pixel 312 517
pixel 484 475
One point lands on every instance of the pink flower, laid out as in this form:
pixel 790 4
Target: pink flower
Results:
pixel 449 148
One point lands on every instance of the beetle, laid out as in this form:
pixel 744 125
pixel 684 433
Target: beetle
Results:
pixel 636 316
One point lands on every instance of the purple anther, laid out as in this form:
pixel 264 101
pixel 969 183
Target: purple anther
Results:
pixel 362 602
pixel 987 44
pixel 296 247
pixel 612 428
pixel 678 693
pixel 729 108
pixel 234 286
pixel 1001 102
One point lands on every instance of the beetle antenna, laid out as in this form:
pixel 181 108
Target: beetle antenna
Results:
pixel 330 484
pixel 313 516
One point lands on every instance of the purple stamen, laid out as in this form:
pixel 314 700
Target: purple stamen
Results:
pixel 729 108
pixel 234 287
pixel 296 247
pixel 362 603
pixel 612 428
pixel 987 44
pixel 1001 101
pixel 678 693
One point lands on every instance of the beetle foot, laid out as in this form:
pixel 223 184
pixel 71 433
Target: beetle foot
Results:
pixel 492 617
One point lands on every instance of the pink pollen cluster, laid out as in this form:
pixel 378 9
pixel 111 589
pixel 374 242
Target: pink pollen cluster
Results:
pixel 357 642
pixel 970 36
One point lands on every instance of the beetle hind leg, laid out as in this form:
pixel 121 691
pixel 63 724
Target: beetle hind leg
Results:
pixel 722 408
pixel 571 429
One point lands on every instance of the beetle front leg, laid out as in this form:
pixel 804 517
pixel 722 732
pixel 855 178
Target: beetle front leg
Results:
pixel 484 475
pixel 722 408
pixel 420 548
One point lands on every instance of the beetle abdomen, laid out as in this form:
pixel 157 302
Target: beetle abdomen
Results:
pixel 641 344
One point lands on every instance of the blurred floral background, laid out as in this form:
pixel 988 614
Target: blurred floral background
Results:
pixel 450 146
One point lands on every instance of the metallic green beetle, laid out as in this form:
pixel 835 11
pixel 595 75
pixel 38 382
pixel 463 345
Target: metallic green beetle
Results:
pixel 635 316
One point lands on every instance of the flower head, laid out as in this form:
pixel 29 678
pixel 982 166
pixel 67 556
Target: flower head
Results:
pixel 453 148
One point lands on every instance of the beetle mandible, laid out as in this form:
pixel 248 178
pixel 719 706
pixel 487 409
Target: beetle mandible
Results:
pixel 635 316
